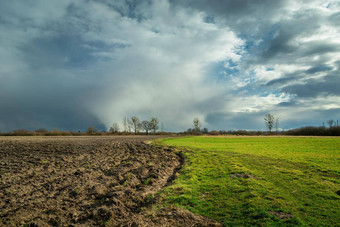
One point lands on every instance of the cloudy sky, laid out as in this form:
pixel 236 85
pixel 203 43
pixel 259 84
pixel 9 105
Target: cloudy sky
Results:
pixel 71 64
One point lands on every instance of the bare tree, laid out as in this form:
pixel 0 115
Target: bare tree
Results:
pixel 125 124
pixel 330 123
pixel 154 124
pixel 269 121
pixel 135 122
pixel 114 128
pixel 146 125
pixel 277 125
pixel 130 126
pixel 197 124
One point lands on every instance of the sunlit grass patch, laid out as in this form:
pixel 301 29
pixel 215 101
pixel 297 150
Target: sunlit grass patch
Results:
pixel 259 180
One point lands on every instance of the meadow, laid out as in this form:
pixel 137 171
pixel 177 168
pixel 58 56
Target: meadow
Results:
pixel 258 180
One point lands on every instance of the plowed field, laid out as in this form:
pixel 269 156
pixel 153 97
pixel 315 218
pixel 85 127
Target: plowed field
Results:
pixel 87 181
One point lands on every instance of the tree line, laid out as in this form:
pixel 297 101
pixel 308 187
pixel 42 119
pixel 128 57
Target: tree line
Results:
pixel 271 123
pixel 134 125
pixel 131 125
pixel 333 128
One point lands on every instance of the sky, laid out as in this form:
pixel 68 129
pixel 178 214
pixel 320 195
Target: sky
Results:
pixel 72 64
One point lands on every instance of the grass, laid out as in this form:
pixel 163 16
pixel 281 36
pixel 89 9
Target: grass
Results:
pixel 291 180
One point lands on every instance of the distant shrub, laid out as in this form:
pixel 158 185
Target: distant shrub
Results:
pixel 241 132
pixel 41 130
pixel 214 133
pixel 315 131
pixel 91 130
pixel 21 132
pixel 223 132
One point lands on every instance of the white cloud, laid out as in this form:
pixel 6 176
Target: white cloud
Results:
pixel 257 103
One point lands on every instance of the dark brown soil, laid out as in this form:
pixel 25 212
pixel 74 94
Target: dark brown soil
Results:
pixel 87 181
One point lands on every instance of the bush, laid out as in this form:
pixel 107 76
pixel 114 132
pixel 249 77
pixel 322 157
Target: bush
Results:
pixel 21 132
pixel 91 130
pixel 214 133
pixel 41 130
pixel 315 131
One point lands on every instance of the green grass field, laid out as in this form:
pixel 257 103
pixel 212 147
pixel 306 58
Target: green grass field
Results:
pixel 259 180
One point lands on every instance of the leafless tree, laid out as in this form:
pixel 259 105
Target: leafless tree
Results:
pixel 154 124
pixel 135 122
pixel 269 121
pixel 126 124
pixel 330 123
pixel 277 124
pixel 114 128
pixel 197 124
pixel 146 125
pixel 130 126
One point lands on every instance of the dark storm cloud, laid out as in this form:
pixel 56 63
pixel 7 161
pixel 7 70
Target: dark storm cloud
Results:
pixel 71 64
pixel 316 48
pixel 235 121
pixel 44 92
pixel 40 100
pixel 282 48
pixel 128 8
pixel 32 117
pixel 329 85
pixel 284 80
pixel 319 68
pixel 246 11
pixel 287 104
